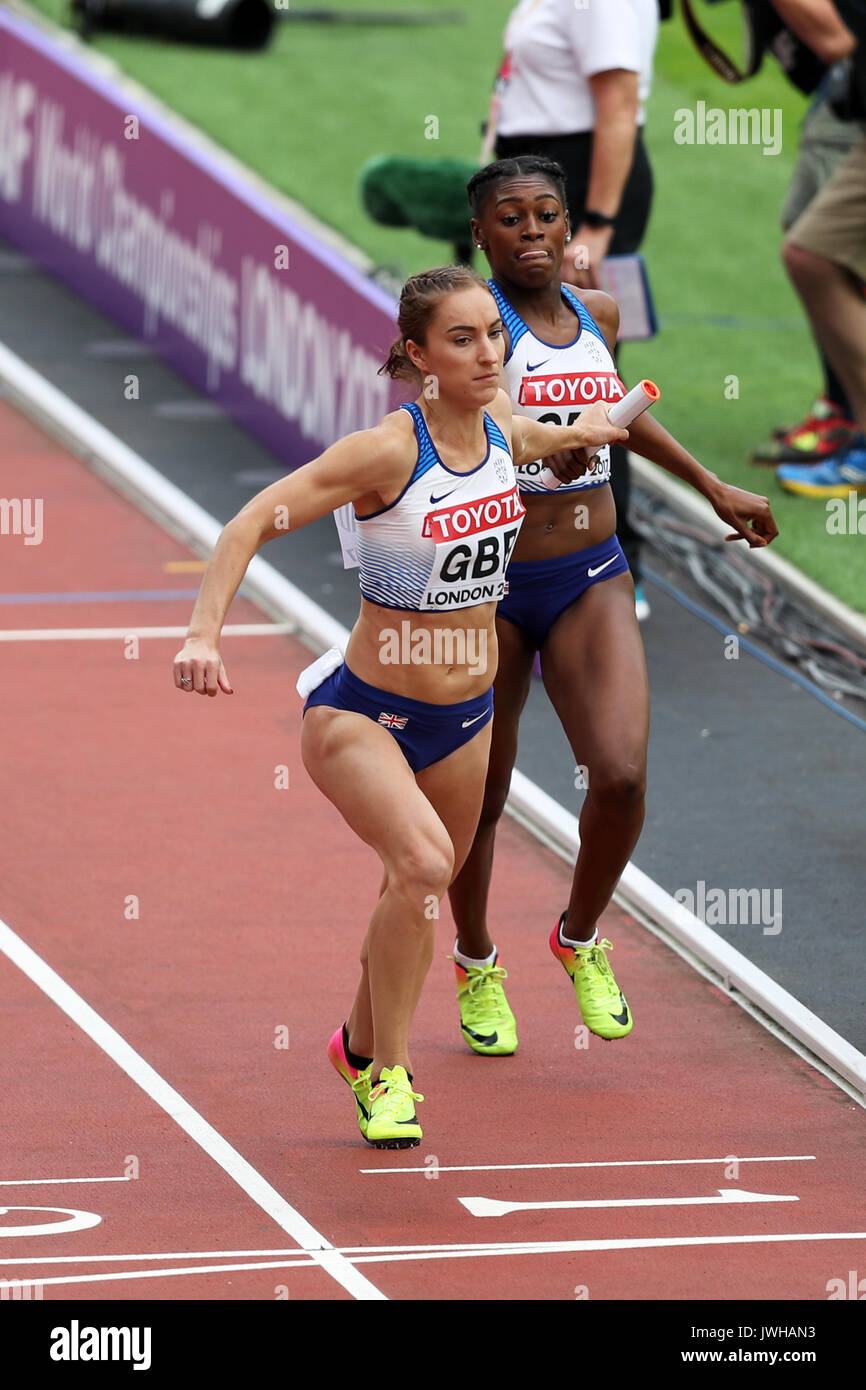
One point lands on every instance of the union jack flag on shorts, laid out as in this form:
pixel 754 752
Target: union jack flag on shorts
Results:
pixel 393 721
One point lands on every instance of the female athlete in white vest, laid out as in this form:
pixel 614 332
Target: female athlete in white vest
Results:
pixel 570 597
pixel 397 735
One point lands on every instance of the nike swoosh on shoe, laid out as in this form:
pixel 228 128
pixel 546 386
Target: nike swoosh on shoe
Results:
pixel 479 1038
pixel 623 1017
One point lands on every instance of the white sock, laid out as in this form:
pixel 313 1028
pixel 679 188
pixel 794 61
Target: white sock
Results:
pixel 582 945
pixel 468 963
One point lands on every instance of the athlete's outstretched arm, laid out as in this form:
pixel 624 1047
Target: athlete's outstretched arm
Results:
pixel 748 512
pixel 364 462
pixel 531 440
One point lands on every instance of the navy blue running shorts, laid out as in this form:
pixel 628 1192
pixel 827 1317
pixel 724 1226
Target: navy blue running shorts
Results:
pixel 540 590
pixel 426 733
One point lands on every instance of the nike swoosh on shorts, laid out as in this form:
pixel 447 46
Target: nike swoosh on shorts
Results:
pixel 591 573
pixel 474 720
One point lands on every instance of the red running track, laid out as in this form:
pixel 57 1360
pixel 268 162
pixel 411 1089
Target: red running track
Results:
pixel 212 920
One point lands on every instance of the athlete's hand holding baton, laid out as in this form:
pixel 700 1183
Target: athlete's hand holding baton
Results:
pixel 593 428
pixel 622 412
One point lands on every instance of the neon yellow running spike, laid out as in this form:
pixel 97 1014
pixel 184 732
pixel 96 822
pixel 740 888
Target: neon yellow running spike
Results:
pixel 602 1003
pixel 486 1020
pixel 393 1123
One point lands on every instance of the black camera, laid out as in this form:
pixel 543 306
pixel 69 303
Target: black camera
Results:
pixel 227 23
pixel 766 32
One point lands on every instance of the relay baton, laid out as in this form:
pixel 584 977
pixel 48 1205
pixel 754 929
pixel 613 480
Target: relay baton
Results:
pixel 633 404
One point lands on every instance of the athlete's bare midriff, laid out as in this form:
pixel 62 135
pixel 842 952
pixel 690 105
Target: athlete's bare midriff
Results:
pixel 440 658
pixel 561 523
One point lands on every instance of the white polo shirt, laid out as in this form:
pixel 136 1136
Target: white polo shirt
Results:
pixel 556 45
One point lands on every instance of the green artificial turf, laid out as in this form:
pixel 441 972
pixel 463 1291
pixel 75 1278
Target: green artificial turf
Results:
pixel 308 112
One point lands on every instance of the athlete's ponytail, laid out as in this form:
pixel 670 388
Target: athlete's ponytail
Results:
pixel 399 365
pixel 418 300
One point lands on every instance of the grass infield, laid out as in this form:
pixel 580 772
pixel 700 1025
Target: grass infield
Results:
pixel 308 112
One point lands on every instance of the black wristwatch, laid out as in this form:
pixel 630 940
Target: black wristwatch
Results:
pixel 597 219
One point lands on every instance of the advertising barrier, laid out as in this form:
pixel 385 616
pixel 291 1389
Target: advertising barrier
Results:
pixel 97 186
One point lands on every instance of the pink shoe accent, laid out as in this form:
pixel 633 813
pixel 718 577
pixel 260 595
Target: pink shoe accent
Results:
pixel 339 1060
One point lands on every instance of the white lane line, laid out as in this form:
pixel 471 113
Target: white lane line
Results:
pixel 125 1274
pixel 395 1254
pixel 624 1163
pixel 391 1253
pixel 149 1255
pixel 490 1206
pixel 119 634
pixel 189 1120
pixel 44 1182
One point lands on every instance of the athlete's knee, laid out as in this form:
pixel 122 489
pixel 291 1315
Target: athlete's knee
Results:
pixel 424 869
pixel 619 785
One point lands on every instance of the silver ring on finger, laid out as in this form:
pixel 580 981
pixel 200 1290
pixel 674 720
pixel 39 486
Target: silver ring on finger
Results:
pixel 186 680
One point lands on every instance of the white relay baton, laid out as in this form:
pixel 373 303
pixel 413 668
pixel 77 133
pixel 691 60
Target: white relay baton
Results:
pixel 633 404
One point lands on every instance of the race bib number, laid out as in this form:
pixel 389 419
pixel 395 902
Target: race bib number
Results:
pixel 473 542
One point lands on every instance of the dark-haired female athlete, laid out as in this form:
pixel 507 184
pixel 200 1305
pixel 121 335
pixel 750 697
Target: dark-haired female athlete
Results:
pixel 570 597
pixel 399 744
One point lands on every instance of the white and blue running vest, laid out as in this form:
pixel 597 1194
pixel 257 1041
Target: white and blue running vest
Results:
pixel 444 543
pixel 553 384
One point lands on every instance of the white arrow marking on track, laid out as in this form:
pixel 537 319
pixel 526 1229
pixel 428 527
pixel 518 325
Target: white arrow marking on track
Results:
pixel 489 1206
